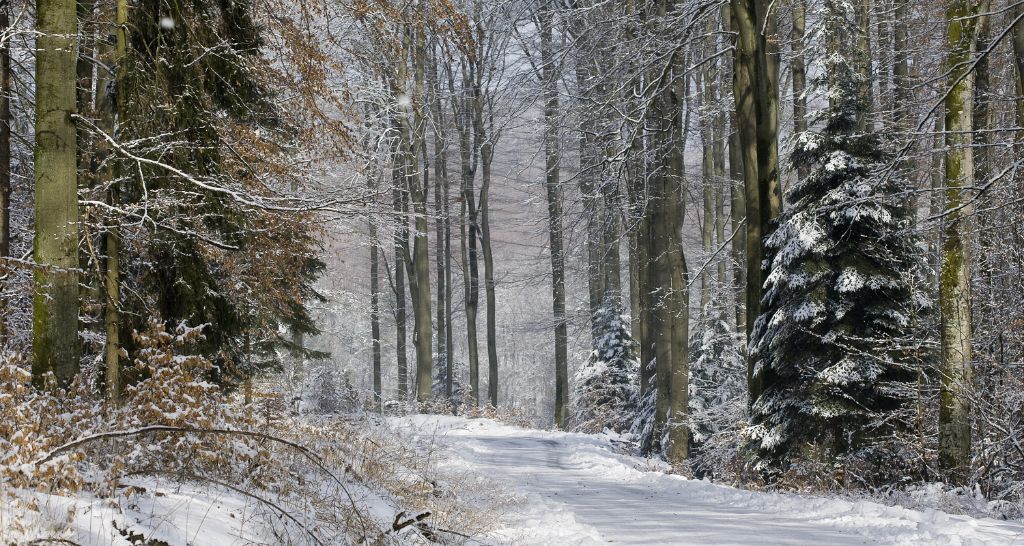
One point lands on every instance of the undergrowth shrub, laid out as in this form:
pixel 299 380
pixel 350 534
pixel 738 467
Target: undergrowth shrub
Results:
pixel 34 421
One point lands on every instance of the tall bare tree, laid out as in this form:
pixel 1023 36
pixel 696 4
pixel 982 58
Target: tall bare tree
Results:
pixel 549 75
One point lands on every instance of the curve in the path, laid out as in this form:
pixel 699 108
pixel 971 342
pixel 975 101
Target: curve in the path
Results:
pixel 623 512
pixel 579 491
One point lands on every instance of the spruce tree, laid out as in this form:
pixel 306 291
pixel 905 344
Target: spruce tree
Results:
pixel 605 393
pixel 718 374
pixel 839 287
pixel 209 257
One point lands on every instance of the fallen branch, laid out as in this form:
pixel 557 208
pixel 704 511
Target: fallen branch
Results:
pixel 398 525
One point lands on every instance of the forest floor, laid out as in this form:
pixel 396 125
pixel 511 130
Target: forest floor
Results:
pixel 581 489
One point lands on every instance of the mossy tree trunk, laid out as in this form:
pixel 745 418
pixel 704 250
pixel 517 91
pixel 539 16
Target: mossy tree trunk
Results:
pixel 55 341
pixel 955 274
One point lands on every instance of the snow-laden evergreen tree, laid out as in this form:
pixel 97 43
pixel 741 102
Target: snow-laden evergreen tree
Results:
pixel 718 379
pixel 605 393
pixel 839 289
pixel 642 428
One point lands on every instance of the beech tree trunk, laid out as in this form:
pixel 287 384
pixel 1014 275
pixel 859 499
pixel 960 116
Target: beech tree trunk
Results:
pixel 462 110
pixel 486 156
pixel 549 82
pixel 955 275
pixel 737 199
pixel 443 234
pixel 755 88
pixel 668 300
pixel 55 341
pixel 417 182
pixel 375 348
pixel 707 136
pixel 799 68
pixel 401 240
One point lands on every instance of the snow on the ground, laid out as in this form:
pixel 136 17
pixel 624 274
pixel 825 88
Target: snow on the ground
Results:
pixel 163 511
pixel 577 490
pixel 158 510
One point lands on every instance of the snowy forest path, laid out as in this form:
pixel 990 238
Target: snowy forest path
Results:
pixel 577 490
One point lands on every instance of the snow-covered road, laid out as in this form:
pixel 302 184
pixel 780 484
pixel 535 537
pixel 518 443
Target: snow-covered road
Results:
pixel 576 490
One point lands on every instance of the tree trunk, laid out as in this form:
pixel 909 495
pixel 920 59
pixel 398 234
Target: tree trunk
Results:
pixel 864 119
pixel 981 117
pixel 1017 38
pixel 468 226
pixel 720 136
pixel 418 184
pixel 549 76
pixel 955 275
pixel 590 192
pixel 755 87
pixel 485 141
pixel 610 241
pixel 110 117
pixel 375 313
pixel 1018 56
pixel 799 68
pixel 401 240
pixel 443 234
pixel 55 341
pixel 486 155
pixel 440 179
pixel 112 314
pixel 738 231
pixel 449 339
pixel 666 270
pixel 901 65
pixel 298 341
pixel 707 137
pixel 678 448
pixel 424 327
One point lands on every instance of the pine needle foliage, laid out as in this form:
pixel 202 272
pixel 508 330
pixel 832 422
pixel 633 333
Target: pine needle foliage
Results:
pixel 605 394
pixel 204 148
pixel 840 288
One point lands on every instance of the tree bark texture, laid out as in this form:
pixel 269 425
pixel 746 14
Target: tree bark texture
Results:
pixel 55 342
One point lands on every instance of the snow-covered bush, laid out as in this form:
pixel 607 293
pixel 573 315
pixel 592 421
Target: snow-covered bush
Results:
pixel 605 387
pixel 328 390
pixel 999 409
pixel 34 421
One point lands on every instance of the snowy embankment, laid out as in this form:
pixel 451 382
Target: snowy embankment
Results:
pixel 576 489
